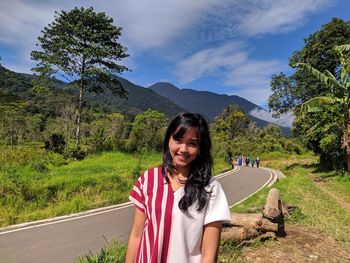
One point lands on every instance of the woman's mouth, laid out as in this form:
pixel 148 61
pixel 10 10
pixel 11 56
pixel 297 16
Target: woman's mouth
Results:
pixel 182 157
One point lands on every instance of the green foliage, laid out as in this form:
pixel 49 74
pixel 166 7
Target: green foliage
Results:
pixel 231 123
pixel 82 47
pixel 113 252
pixel 28 194
pixel 317 93
pixel 55 143
pixel 147 131
pixel 74 154
pixel 247 139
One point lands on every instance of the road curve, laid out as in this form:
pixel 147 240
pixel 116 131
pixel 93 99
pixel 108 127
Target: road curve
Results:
pixel 64 240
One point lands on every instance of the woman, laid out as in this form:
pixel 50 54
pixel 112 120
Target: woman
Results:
pixel 180 207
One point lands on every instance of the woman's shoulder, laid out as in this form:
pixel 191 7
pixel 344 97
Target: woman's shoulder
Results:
pixel 214 184
pixel 151 172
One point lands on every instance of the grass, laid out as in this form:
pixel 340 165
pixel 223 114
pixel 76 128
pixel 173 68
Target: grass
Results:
pixel 35 184
pixel 113 252
pixel 31 193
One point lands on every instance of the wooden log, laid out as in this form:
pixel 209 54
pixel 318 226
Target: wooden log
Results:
pixel 268 226
pixel 247 220
pixel 238 234
pixel 286 209
pixel 271 209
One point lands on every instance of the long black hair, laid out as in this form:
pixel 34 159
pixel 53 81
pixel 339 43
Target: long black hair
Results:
pixel 201 168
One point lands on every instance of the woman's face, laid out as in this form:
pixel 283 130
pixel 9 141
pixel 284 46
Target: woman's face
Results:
pixel 184 150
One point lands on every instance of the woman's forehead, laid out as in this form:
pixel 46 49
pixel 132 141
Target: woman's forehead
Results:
pixel 191 132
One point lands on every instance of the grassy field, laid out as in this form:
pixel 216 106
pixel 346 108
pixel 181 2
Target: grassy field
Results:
pixel 318 208
pixel 36 185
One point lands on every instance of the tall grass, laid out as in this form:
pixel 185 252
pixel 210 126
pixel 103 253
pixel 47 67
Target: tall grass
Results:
pixel 41 190
pixel 35 184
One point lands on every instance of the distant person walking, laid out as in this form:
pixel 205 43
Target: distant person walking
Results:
pixel 247 160
pixel 252 161
pixel 231 160
pixel 257 161
pixel 240 160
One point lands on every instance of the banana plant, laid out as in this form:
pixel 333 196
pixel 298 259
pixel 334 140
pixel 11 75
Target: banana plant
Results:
pixel 340 93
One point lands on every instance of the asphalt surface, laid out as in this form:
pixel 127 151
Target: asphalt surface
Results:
pixel 65 240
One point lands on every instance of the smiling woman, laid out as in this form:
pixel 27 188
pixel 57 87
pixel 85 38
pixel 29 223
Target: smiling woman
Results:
pixel 179 207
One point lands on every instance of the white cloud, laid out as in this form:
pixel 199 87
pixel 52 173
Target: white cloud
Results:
pixel 153 23
pixel 270 16
pixel 285 120
pixel 248 78
pixel 208 61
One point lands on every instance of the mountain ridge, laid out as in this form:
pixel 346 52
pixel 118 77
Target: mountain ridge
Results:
pixel 199 101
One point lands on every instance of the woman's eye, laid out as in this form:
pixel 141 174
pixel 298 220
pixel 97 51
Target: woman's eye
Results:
pixel 193 144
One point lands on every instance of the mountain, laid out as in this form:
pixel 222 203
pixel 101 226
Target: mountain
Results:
pixel 139 99
pixel 208 103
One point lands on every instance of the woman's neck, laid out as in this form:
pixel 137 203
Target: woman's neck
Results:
pixel 182 172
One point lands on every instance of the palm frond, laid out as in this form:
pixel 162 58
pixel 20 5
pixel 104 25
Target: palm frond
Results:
pixel 316 102
pixel 329 81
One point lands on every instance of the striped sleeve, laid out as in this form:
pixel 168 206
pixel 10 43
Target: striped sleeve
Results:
pixel 136 195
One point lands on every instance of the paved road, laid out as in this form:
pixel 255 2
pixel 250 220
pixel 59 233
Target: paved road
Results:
pixel 63 241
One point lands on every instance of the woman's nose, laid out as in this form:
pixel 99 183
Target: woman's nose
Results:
pixel 183 147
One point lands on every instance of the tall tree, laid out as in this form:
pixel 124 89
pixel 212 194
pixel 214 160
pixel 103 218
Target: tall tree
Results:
pixel 289 93
pixel 340 94
pixel 81 46
pixel 231 123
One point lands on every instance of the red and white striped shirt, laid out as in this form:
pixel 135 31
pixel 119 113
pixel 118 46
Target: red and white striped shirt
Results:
pixel 170 235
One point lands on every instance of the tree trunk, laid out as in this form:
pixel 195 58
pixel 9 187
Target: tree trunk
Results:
pixel 77 134
pixel 271 209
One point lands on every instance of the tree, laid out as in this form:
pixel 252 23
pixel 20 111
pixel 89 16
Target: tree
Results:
pixel 81 46
pixel 147 131
pixel 289 93
pixel 231 123
pixel 340 95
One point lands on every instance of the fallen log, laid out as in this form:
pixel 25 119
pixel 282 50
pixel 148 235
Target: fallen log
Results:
pixel 238 234
pixel 271 209
pixel 247 220
pixel 268 226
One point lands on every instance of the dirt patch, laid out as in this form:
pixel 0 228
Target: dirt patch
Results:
pixel 300 245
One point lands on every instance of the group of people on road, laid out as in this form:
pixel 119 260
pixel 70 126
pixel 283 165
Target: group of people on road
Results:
pixel 244 160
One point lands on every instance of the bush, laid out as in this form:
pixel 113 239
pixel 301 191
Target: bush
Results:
pixel 55 143
pixel 74 154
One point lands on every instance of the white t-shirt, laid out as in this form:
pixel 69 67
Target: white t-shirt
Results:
pixel 187 230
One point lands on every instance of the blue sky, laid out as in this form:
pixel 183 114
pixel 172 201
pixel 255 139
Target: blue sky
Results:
pixel 225 46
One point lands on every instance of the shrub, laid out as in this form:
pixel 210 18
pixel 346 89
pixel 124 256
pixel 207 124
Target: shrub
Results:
pixel 55 143
pixel 75 154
